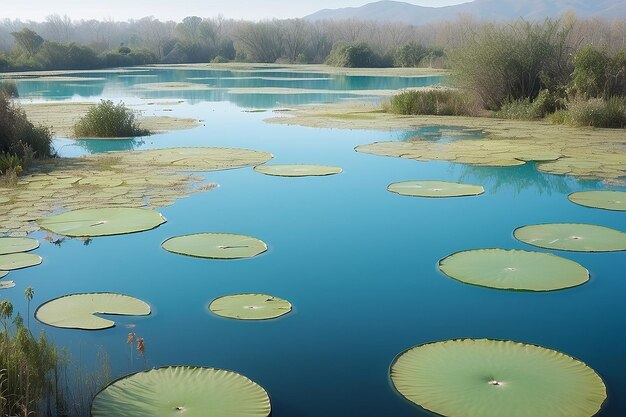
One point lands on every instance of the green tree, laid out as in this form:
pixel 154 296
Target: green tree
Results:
pixel 28 41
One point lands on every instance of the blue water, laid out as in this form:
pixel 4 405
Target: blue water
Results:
pixel 357 262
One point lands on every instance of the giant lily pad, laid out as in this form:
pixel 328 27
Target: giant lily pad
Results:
pixel 17 244
pixel 215 246
pixel 250 307
pixel 490 378
pixel 608 200
pixel 78 311
pixel 572 237
pixel 13 261
pixel 435 189
pixel 182 390
pixel 102 222
pixel 3 274
pixel 297 170
pixel 513 270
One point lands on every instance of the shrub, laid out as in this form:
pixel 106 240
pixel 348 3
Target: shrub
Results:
pixel 18 136
pixel 358 55
pixel 9 88
pixel 594 112
pixel 432 102
pixel 525 109
pixel 109 120
pixel 219 60
pixel 9 162
pixel 596 74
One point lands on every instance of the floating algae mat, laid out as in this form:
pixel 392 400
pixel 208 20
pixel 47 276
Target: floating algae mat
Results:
pixel 17 244
pixel 607 200
pixel 435 189
pixel 491 378
pixel 14 261
pixel 250 307
pixel 572 237
pixel 182 390
pixel 513 270
pixel 297 170
pixel 78 311
pixel 102 222
pixel 215 246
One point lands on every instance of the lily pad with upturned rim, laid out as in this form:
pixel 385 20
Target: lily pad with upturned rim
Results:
pixel 17 244
pixel 184 390
pixel 102 221
pixel 297 170
pixel 607 200
pixel 435 189
pixel 576 237
pixel 492 378
pixel 78 311
pixel 250 306
pixel 12 261
pixel 215 246
pixel 513 270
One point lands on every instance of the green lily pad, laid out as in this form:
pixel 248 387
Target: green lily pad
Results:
pixel 4 200
pixel 296 170
pixel 250 307
pixel 435 189
pixel 17 244
pixel 182 390
pixel 491 378
pixel 572 237
pixel 607 200
pixel 101 181
pixel 102 222
pixel 14 261
pixel 78 311
pixel 514 270
pixel 3 274
pixel 215 246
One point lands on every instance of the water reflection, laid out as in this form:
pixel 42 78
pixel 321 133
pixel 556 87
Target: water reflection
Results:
pixel 106 145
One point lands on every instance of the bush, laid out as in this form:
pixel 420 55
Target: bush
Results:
pixel 594 112
pixel 596 74
pixel 432 102
pixel 9 88
pixel 525 109
pixel 20 137
pixel 358 55
pixel 108 120
pixel 219 60
pixel 9 162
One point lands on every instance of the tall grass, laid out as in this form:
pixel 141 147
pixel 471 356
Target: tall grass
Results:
pixel 109 120
pixel 432 102
pixel 594 112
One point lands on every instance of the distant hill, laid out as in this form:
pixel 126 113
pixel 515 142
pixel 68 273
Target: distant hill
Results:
pixel 395 11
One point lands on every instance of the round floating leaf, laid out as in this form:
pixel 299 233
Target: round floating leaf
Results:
pixel 3 274
pixel 182 390
pixel 17 244
pixel 13 261
pixel 297 170
pixel 250 307
pixel 78 311
pixel 572 237
pixel 490 378
pixel 101 181
pixel 608 200
pixel 102 221
pixel 513 270
pixel 215 246
pixel 4 200
pixel 435 189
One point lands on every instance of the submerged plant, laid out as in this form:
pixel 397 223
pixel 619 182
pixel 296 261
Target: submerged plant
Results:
pixel 109 120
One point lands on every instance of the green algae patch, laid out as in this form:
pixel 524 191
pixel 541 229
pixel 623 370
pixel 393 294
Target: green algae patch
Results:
pixel 250 307
pixel 607 200
pixel 491 378
pixel 102 222
pixel 514 270
pixel 79 311
pixel 572 237
pixel 17 244
pixel 435 189
pixel 215 246
pixel 297 170
pixel 182 390
pixel 13 261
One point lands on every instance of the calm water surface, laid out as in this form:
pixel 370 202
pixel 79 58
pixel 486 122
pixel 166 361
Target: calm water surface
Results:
pixel 357 262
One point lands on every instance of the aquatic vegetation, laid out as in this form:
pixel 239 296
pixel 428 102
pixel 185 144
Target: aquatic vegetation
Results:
pixel 20 137
pixel 513 270
pixel 432 102
pixel 102 222
pixel 13 261
pixel 594 112
pixel 250 307
pixel 17 244
pixel 489 378
pixel 215 246
pixel 607 200
pixel 78 311
pixel 185 390
pixel 108 120
pixel 572 237
pixel 435 189
pixel 297 170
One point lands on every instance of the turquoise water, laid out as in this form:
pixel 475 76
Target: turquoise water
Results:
pixel 357 262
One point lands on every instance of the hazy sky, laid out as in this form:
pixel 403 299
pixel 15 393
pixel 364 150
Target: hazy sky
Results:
pixel 177 9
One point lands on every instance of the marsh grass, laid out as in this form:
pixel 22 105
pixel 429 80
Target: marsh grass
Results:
pixel 432 102
pixel 594 112
pixel 109 120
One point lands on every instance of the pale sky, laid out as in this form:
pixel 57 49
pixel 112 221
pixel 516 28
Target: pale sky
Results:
pixel 37 10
